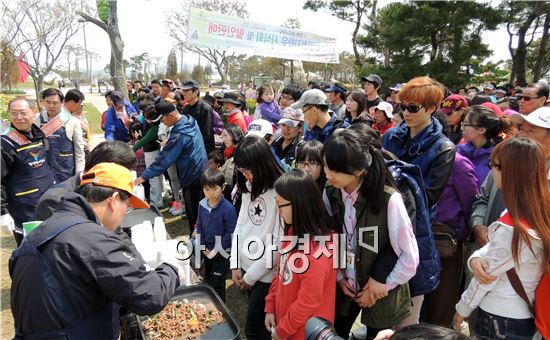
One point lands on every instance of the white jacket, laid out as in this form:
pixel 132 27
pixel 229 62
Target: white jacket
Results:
pixel 499 297
pixel 257 221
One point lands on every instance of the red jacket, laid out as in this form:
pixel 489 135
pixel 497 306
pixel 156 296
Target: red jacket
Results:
pixel 542 310
pixel 294 298
pixel 237 118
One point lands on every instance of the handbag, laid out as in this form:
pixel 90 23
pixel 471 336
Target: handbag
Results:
pixel 446 240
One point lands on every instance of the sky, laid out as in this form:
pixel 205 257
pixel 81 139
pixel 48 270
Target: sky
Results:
pixel 143 28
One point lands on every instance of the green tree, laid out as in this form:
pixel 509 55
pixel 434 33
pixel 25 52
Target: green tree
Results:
pixel 107 20
pixel 442 39
pixel 172 65
pixel 347 10
pixel 533 54
pixel 198 74
pixel 523 19
pixel 137 63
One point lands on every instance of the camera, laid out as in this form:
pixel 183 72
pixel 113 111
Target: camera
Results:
pixel 320 329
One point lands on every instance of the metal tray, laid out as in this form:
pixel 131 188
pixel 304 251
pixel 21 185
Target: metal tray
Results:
pixel 206 295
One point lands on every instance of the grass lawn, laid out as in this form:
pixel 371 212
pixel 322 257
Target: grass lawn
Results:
pixel 94 118
pixel 235 299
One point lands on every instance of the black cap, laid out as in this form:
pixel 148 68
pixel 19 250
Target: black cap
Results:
pixel 163 108
pixel 189 84
pixel 230 97
pixel 117 98
pixel 373 78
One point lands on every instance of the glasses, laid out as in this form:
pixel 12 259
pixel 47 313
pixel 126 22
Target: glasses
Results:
pixel 526 98
pixel 411 107
pixel 495 166
pixel 284 205
pixel 309 165
pixel 286 97
pixel 464 125
pixel 306 110
pixel 19 114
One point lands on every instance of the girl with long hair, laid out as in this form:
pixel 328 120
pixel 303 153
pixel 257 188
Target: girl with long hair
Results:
pixel 519 243
pixel 297 294
pixel 367 209
pixel 258 221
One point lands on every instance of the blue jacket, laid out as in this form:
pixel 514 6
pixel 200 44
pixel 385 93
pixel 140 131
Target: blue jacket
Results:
pixel 323 134
pixel 184 147
pixel 114 127
pixel 430 150
pixel 219 221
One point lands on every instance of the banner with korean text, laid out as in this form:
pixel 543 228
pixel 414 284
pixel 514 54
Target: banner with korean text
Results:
pixel 222 32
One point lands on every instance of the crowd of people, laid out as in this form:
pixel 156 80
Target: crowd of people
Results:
pixel 419 206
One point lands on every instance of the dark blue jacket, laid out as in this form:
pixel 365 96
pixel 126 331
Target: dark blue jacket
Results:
pixel 185 148
pixel 430 150
pixel 96 268
pixel 322 134
pixel 114 127
pixel 219 221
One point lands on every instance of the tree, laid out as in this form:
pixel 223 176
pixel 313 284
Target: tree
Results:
pixel 137 64
pixel 172 65
pixel 198 74
pixel 441 39
pixel 178 31
pixel 38 32
pixel 532 57
pixel 347 10
pixel 108 21
pixel 542 50
pixel 74 53
pixel 9 66
pixel 523 19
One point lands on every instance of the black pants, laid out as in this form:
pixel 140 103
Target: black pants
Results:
pixel 254 327
pixel 343 324
pixel 192 195
pixel 215 272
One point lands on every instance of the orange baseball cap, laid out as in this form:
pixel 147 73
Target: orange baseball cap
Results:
pixel 114 176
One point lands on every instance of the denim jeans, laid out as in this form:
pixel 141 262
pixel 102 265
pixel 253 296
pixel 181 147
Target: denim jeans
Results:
pixel 490 326
pixel 156 188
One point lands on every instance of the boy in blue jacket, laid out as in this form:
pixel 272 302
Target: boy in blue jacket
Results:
pixel 215 225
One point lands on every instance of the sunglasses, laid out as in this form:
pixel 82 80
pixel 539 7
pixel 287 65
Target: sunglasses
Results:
pixel 526 98
pixel 411 107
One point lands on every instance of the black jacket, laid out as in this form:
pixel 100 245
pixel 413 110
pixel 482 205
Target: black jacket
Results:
pixel 94 266
pixel 202 112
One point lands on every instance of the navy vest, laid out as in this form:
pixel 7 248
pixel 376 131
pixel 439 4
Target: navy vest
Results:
pixel 61 153
pixel 29 177
pixel 31 274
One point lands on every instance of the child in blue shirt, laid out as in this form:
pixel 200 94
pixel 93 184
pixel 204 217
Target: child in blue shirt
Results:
pixel 215 225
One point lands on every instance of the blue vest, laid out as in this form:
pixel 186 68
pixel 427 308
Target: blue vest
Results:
pixel 31 274
pixel 28 179
pixel 429 267
pixel 61 153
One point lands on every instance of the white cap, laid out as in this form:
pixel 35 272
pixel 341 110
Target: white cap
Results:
pixel 540 117
pixel 387 108
pixel 260 127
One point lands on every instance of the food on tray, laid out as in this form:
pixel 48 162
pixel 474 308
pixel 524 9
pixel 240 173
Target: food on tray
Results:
pixel 182 320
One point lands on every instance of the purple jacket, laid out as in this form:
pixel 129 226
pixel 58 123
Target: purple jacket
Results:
pixel 271 112
pixel 479 157
pixel 455 204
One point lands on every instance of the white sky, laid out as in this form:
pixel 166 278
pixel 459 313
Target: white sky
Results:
pixel 143 28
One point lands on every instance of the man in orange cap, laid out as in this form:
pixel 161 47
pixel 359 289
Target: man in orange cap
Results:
pixel 70 274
